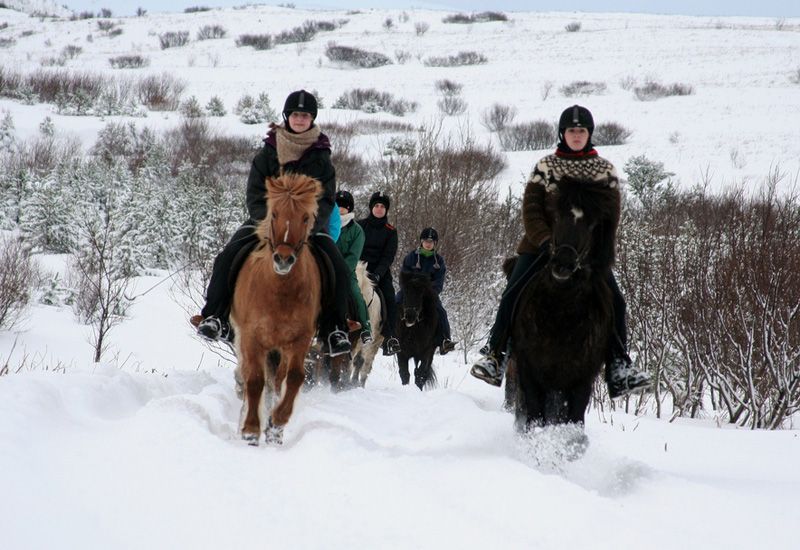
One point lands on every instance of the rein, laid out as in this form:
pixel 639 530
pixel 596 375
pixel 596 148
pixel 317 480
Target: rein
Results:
pixel 580 257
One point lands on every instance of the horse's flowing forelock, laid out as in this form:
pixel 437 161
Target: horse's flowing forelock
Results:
pixel 293 192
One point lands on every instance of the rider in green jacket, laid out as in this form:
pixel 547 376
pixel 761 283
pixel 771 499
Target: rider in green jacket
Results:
pixel 351 243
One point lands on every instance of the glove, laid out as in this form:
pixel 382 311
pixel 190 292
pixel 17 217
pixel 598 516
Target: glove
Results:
pixel 374 277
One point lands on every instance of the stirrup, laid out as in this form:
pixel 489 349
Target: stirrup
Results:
pixel 391 346
pixel 338 344
pixel 490 370
pixel 366 337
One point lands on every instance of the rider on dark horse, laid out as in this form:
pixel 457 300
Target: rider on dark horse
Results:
pixel 425 259
pixel 296 146
pixel 574 157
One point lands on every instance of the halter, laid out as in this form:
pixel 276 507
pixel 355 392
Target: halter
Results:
pixel 295 249
pixel 580 257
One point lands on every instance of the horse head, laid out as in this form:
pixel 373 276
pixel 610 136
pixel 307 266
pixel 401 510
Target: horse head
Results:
pixel 416 287
pixel 585 216
pixel 291 211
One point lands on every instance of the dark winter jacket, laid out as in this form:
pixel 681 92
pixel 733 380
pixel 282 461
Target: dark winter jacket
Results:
pixel 315 162
pixel 537 202
pixel 380 245
pixel 415 262
pixel 351 243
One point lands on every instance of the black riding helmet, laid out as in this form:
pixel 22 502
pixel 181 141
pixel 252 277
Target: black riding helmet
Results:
pixel 300 101
pixel 345 200
pixel 429 233
pixel 575 117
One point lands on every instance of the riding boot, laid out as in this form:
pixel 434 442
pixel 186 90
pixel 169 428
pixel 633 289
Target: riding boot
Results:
pixel 490 369
pixel 624 379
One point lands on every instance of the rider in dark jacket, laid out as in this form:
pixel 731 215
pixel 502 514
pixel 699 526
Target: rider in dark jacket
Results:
pixel 380 249
pixel 297 146
pixel 425 259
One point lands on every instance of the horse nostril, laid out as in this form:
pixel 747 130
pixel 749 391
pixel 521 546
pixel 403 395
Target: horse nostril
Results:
pixel 291 259
pixel 277 258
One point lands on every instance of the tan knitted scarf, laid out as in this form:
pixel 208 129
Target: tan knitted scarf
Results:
pixel 292 146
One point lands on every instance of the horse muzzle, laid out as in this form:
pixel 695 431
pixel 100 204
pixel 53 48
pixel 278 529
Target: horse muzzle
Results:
pixel 410 317
pixel 283 265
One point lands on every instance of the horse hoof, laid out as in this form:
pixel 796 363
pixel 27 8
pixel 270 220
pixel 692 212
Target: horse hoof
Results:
pixel 274 434
pixel 251 439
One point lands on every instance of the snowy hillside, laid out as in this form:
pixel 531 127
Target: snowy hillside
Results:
pixel 739 121
pixel 141 451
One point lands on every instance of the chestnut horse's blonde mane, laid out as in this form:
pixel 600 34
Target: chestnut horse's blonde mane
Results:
pixel 292 193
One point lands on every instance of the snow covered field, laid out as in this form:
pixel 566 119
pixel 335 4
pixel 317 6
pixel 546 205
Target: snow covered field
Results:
pixel 141 451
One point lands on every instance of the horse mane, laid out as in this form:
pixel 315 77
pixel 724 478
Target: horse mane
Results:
pixel 292 193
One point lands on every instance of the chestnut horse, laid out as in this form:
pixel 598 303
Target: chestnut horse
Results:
pixel 275 307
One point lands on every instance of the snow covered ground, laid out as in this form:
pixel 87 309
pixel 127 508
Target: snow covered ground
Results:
pixel 141 451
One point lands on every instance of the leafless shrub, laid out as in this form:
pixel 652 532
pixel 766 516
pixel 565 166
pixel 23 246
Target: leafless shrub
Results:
pixel 448 87
pixel 795 76
pixel 257 41
pixel 50 85
pixel 574 26
pixel 160 92
pixel 194 142
pixel 388 23
pixel 528 136
pixel 304 33
pixel 190 108
pixel 497 117
pixel 105 12
pixel 482 17
pixel 135 61
pixel 452 105
pixel 355 57
pixel 141 12
pixel 105 26
pixel 10 82
pixel 421 27
pixel 371 100
pixel 82 15
pixel 367 126
pixel 653 90
pixel 402 56
pixel 18 275
pixel 610 133
pixel 211 32
pixel 196 9
pixel 780 23
pixel 458 60
pixel 71 51
pixel 173 39
pixel 7 42
pixel 627 83
pixel 545 89
pixel 580 88
pixel 712 284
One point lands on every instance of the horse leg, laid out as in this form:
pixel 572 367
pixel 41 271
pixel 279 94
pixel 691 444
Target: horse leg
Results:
pixel 252 372
pixel 402 361
pixel 423 374
pixel 337 364
pixel 291 371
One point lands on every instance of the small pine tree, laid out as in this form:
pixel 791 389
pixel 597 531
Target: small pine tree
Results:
pixel 7 134
pixel 46 127
pixel 215 107
pixel 648 180
pixel 191 108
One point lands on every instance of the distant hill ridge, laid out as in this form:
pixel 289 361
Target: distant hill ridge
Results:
pixel 38 7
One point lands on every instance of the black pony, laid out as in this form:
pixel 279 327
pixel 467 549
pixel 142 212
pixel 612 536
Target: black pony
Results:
pixel 416 328
pixel 563 319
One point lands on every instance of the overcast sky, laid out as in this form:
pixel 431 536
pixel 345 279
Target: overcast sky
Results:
pixel 766 8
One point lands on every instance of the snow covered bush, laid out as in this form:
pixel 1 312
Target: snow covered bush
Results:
pixel 18 277
pixel 573 26
pixel 648 181
pixel 257 41
pixel 582 88
pixel 191 108
pixel 371 100
pixel 458 60
pixel 356 57
pixel 255 111
pixel 135 61
pixel 652 90
pixel 215 107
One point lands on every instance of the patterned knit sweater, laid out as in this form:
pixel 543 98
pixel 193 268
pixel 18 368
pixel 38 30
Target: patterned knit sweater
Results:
pixel 541 190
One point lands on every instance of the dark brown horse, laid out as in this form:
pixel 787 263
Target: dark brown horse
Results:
pixel 563 320
pixel 416 328
pixel 275 308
